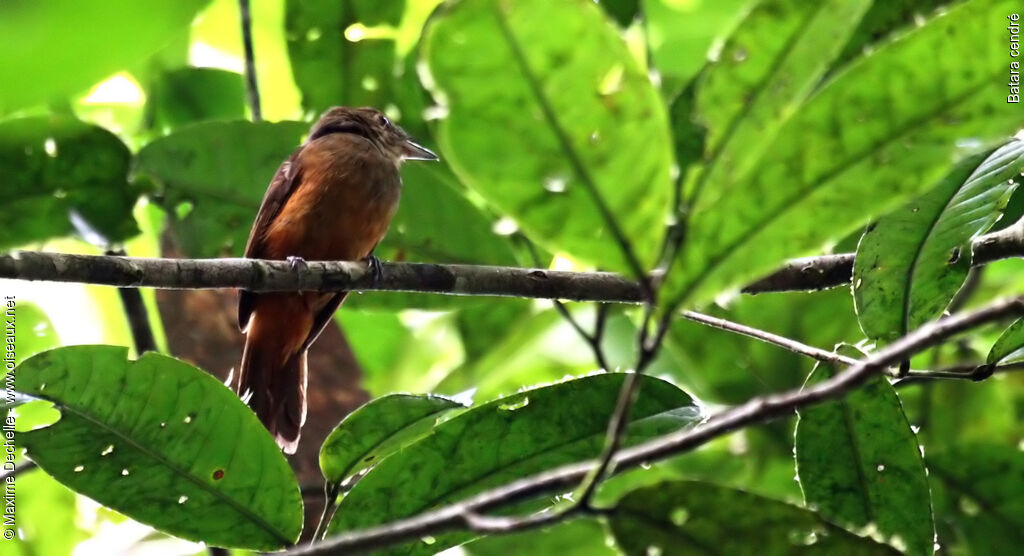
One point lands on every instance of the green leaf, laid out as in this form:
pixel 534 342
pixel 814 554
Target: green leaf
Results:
pixel 979 497
pixel 884 19
pixel 53 49
pixel 622 12
pixel 859 463
pixel 508 438
pixel 189 95
pixel 912 261
pixel 333 66
pixel 680 35
pixel 372 432
pixel 219 171
pixel 764 72
pixel 163 443
pixel 690 517
pixel 33 333
pixel 554 123
pixel 55 169
pixel 852 150
pixel 436 223
pixel 1009 345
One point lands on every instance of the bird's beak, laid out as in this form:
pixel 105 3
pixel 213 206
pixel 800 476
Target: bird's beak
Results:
pixel 413 151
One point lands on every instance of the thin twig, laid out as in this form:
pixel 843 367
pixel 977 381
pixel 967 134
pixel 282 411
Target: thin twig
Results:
pixel 767 337
pixel 757 410
pixel 252 89
pixel 20 467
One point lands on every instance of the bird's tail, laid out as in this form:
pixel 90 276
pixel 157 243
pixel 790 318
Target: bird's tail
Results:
pixel 272 380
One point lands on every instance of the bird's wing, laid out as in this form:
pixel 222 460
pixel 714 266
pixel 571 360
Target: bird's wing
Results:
pixel 285 182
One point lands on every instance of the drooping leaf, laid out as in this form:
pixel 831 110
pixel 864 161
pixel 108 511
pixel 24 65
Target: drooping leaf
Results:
pixel 163 443
pixel 53 49
pixel 912 261
pixel 977 490
pixel 859 463
pixel 680 35
pixel 853 150
pixel 57 169
pixel 372 432
pixel 189 95
pixel 764 72
pixel 554 123
pixel 1010 345
pixel 502 440
pixel 691 517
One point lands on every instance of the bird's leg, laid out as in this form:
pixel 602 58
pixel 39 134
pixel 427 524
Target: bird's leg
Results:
pixel 376 270
pixel 296 262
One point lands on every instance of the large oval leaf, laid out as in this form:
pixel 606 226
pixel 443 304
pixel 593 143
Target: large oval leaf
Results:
pixel 114 38
pixel 502 440
pixel 358 441
pixel 220 171
pixel 553 122
pixel 769 65
pixel 691 517
pixel 859 463
pixel 57 169
pixel 912 261
pixel 163 443
pixel 883 128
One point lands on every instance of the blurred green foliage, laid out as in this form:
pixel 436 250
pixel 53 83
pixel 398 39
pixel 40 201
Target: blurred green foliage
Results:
pixel 760 129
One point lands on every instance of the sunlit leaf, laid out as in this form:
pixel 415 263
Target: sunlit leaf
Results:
pixel 912 261
pixel 502 440
pixel 163 443
pixel 553 122
pixel 853 150
pixel 53 49
pixel 1009 345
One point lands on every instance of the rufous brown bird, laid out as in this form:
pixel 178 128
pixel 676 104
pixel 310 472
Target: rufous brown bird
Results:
pixel 332 199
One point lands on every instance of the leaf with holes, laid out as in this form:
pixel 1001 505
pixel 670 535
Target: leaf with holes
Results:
pixel 1009 347
pixel 377 429
pixel 503 440
pixel 765 70
pixel 164 443
pixel 58 171
pixel 554 122
pixel 853 150
pixel 691 517
pixel 859 463
pixel 912 261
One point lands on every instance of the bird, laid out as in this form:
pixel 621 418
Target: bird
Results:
pixel 332 199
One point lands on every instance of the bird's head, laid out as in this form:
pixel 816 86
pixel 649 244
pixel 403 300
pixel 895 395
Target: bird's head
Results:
pixel 374 126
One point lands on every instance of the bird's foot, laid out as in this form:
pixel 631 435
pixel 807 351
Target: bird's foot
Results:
pixel 296 262
pixel 376 270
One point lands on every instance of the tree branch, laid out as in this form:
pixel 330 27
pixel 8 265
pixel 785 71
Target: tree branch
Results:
pixel 260 276
pixel 761 409
pixel 829 271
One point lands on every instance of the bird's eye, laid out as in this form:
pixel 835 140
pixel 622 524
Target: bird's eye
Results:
pixel 384 121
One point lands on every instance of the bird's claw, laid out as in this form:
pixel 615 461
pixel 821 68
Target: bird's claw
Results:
pixel 376 270
pixel 296 262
